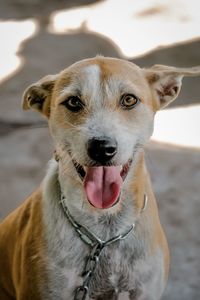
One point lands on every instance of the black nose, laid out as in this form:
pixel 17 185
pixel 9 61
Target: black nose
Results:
pixel 102 150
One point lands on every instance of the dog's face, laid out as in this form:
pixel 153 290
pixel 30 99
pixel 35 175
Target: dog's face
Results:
pixel 100 114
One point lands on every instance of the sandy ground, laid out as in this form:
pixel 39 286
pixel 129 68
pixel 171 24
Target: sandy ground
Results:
pixel 26 149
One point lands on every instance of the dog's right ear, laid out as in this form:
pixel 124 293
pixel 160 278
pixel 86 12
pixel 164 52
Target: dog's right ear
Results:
pixel 38 95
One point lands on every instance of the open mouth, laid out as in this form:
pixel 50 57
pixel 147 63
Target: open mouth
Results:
pixel 103 184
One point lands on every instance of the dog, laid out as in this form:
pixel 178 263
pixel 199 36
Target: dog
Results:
pixel 92 230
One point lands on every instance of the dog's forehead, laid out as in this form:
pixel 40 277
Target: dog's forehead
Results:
pixel 93 73
pixel 107 68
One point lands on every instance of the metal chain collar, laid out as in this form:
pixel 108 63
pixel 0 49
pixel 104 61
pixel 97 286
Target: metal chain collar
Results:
pixel 96 244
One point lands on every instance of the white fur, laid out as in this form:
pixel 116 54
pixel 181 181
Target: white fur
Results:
pixel 91 86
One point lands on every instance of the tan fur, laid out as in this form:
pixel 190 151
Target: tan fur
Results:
pixel 21 246
pixel 23 264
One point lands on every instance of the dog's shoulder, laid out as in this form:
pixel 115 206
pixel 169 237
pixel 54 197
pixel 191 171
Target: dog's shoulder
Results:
pixel 16 223
pixel 21 233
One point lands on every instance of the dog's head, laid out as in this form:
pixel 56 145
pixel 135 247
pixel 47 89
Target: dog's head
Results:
pixel 100 114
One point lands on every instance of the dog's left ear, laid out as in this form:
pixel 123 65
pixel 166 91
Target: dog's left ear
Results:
pixel 166 82
pixel 38 95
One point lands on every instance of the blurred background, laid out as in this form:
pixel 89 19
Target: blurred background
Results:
pixel 43 37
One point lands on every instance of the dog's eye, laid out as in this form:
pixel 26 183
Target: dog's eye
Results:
pixel 73 103
pixel 128 101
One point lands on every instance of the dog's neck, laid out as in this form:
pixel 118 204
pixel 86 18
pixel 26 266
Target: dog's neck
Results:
pixel 124 213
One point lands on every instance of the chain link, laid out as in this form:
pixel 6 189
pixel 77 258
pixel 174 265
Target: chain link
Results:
pixel 91 264
pixel 89 269
pixel 96 244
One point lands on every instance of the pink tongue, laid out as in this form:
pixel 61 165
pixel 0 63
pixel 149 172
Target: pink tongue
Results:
pixel 102 186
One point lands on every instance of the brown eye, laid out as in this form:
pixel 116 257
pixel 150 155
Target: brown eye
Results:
pixel 73 103
pixel 128 101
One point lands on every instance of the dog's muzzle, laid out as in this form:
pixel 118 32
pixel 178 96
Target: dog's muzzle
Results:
pixel 102 179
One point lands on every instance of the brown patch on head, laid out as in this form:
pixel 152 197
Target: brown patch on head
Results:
pixel 116 67
pixel 64 80
pixel 128 76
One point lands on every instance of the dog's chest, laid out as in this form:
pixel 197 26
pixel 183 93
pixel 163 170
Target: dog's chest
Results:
pixel 120 273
